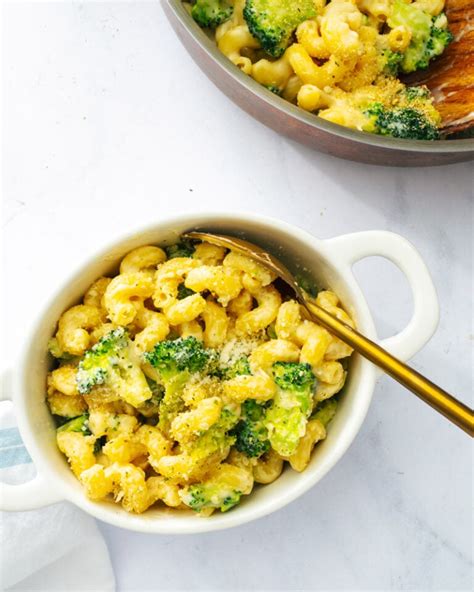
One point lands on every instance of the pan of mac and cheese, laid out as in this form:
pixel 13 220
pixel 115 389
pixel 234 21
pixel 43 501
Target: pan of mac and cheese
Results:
pixel 330 74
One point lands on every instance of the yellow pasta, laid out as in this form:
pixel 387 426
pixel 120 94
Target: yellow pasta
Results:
pixel 216 322
pixel 309 36
pixel 189 423
pixel 63 379
pixel 95 296
pixel 399 38
pixel 73 328
pixel 259 387
pixel 209 254
pixel 104 423
pixel 142 259
pixel 161 489
pixel 315 342
pixel 274 74
pixel 168 277
pixel 240 304
pixel 325 390
pixel 223 282
pixel 268 468
pixel 315 431
pixel 268 302
pixel 327 75
pixel 310 97
pixel 233 42
pixel 78 449
pixel 155 442
pixel 276 350
pixel 191 329
pixel 129 486
pixel 65 405
pixel 154 327
pixel 237 261
pixel 122 294
pixel 340 59
pixel 123 449
pixel 95 481
pixel 186 310
pixel 288 319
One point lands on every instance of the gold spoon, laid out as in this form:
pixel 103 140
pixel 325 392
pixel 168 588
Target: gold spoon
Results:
pixel 430 393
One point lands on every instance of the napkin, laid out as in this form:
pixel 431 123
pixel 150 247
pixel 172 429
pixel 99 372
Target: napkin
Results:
pixel 57 548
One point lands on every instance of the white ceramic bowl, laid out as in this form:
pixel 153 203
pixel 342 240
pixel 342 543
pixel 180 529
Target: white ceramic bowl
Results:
pixel 330 262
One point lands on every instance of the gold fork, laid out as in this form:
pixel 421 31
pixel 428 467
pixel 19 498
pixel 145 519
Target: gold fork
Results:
pixel 427 391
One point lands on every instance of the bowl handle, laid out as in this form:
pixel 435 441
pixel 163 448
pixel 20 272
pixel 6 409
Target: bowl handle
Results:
pixel 350 248
pixel 33 494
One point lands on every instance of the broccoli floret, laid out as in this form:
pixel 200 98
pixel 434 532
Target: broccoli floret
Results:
pixel 239 367
pixel 325 411
pixel 413 93
pixel 429 35
pixel 251 433
pixel 170 358
pixel 217 438
pixel 251 441
pixel 219 369
pixel 402 122
pixel 296 379
pixel 392 62
pixel 111 363
pixel 211 13
pixel 230 501
pixel 285 428
pixel 272 22
pixel 184 292
pixel 286 419
pixel 218 491
pixel 196 498
pixel 185 248
pixel 78 424
pixel 440 37
pixel 175 362
pixel 95 367
pixel 205 496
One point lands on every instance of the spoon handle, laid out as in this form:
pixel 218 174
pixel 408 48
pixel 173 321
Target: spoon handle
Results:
pixel 430 393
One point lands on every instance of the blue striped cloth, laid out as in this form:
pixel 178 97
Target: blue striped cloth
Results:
pixel 12 449
pixel 46 549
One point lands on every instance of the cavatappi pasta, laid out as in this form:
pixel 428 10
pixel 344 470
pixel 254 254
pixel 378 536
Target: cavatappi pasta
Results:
pixel 339 59
pixel 187 378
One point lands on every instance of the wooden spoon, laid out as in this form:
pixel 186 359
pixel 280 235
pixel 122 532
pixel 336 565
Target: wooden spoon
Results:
pixel 451 77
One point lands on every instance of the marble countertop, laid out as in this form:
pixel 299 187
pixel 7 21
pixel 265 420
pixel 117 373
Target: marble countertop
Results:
pixel 108 124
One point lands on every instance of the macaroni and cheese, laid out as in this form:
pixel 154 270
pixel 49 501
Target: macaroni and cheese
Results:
pixel 339 59
pixel 188 377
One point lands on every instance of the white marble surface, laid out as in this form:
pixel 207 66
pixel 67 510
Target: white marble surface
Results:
pixel 107 125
